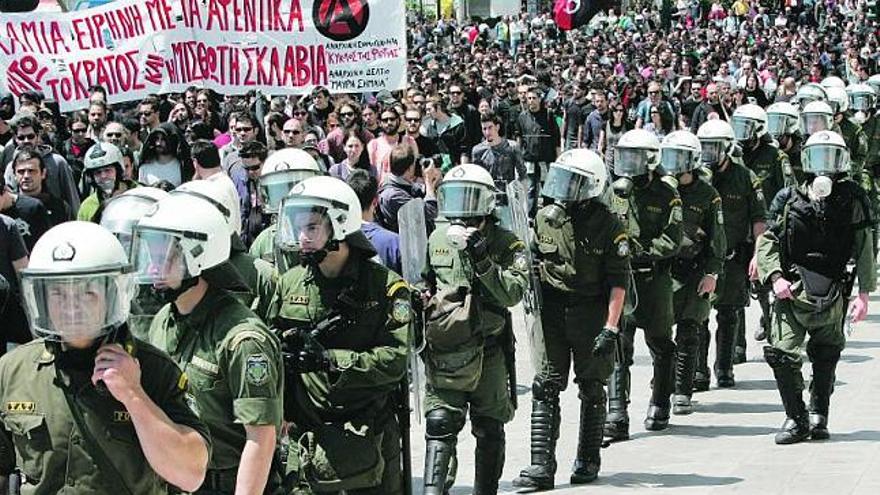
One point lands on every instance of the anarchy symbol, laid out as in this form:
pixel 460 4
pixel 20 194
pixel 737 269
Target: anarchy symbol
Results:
pixel 341 20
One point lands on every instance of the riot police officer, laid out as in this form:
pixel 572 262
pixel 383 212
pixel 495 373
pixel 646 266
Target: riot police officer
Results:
pixel 825 223
pixel 232 361
pixel 815 116
pixel 475 267
pixel 851 132
pixel 87 407
pixel 583 255
pixel 696 267
pixel 809 93
pixel 863 100
pixel 773 169
pixel 650 207
pixel 782 125
pixel 742 202
pixel 343 319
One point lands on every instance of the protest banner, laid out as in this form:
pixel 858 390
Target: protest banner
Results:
pixel 137 47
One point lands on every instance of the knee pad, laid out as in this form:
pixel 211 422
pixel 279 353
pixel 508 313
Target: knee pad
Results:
pixel 823 353
pixel 592 392
pixel 441 424
pixel 779 359
pixel 487 428
pixel 545 389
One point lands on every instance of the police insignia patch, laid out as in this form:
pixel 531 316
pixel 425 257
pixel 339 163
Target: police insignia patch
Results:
pixel 677 215
pixel 623 248
pixel 720 216
pixel 521 262
pixel 401 311
pixel 257 369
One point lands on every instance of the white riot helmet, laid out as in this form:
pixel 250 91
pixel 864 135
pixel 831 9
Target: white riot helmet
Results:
pixel 467 191
pixel 281 171
pixel 838 100
pixel 123 212
pixel 577 175
pixel 77 286
pixel 862 99
pixel 225 200
pixel 749 122
pixel 874 82
pixel 316 208
pixel 637 153
pixel 717 141
pixel 680 152
pixel 816 116
pixel 782 119
pixel 825 153
pixel 809 93
pixel 177 241
pixel 832 82
pixel 100 156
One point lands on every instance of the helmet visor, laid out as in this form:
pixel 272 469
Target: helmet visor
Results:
pixel 159 260
pixel 464 199
pixel 825 159
pixel 713 151
pixel 275 186
pixel 743 128
pixel 677 160
pixel 76 308
pixel 779 124
pixel 303 226
pixel 811 123
pixel 806 99
pixel 862 102
pixel 631 162
pixel 122 214
pixel 563 184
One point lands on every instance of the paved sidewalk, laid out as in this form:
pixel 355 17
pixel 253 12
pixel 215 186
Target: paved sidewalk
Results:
pixel 726 446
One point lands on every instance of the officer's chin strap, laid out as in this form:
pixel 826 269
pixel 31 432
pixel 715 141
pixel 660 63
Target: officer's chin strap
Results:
pixel 169 295
pixel 315 258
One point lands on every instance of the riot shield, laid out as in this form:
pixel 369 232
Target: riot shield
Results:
pixel 517 203
pixel 413 253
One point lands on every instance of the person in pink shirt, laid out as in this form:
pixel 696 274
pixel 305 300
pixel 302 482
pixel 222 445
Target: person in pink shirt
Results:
pixel 379 148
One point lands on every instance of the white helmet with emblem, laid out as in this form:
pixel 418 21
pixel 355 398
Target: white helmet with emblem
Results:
pixel 782 119
pixel 332 200
pixel 816 116
pixel 123 212
pixel 680 152
pixel 467 191
pixel 637 153
pixel 861 97
pixel 825 153
pixel 77 286
pixel 282 170
pixel 832 82
pixel 749 122
pixel 716 139
pixel 838 99
pixel 577 175
pixel 809 93
pixel 215 193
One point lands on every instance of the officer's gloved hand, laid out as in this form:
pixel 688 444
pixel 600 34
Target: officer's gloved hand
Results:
pixel 605 342
pixel 782 287
pixel 477 246
pixel 313 358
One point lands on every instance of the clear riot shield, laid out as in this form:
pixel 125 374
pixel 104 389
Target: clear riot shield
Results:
pixel 413 253
pixel 517 205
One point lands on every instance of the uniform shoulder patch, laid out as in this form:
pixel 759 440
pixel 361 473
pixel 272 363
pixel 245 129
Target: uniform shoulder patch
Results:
pixel 242 336
pixel 670 180
pixel 256 370
pixel 623 248
pixel 521 262
pixel 401 310
pixel 396 286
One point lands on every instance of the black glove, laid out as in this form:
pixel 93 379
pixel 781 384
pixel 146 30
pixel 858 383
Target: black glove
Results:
pixel 605 342
pixel 313 357
pixel 477 246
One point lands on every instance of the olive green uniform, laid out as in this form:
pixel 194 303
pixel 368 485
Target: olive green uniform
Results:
pixel 793 248
pixel 234 367
pixel 581 257
pixel 856 139
pixel 343 433
pixel 263 248
pixel 742 204
pixel 472 374
pixel 51 450
pixel 872 168
pixel 703 249
pixel 653 218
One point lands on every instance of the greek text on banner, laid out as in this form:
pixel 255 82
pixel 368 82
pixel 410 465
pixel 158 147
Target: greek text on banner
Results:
pixel 137 47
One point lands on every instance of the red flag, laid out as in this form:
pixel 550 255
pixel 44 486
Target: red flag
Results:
pixel 572 14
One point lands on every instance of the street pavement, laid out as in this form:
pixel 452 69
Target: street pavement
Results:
pixel 725 446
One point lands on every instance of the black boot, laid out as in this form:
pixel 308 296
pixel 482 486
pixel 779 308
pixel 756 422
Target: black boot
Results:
pixel 588 460
pixel 441 435
pixel 545 430
pixel 687 343
pixel 725 337
pixel 488 455
pixel 617 422
pixel 664 382
pixel 764 329
pixel 790 382
pixel 701 373
pixel 824 360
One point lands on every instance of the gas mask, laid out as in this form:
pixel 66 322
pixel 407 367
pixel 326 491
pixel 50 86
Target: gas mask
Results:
pixel 622 187
pixel 860 117
pixel 820 187
pixel 555 214
pixel 458 231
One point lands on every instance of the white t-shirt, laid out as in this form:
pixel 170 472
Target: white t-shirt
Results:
pixel 151 173
pixel 232 199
